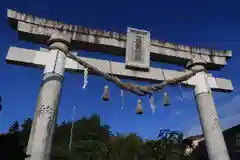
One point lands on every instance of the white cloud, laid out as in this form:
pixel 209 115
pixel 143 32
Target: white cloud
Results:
pixel 230 108
pixel 229 115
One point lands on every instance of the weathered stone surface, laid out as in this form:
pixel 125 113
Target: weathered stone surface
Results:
pixel 38 30
pixel 17 16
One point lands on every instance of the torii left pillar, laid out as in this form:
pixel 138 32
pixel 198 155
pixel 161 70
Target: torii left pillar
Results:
pixel 40 139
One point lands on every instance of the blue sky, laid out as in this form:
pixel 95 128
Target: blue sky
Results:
pixel 210 24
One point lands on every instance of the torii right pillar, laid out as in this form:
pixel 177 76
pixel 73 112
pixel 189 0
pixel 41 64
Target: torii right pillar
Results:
pixel 214 140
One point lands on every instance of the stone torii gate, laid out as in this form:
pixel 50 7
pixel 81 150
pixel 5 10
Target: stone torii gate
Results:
pixel 138 49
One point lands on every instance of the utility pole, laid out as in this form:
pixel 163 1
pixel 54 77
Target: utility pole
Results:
pixel 71 133
pixel 1 116
pixel 0 104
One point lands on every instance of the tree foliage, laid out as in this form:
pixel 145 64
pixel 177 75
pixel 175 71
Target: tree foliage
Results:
pixel 94 141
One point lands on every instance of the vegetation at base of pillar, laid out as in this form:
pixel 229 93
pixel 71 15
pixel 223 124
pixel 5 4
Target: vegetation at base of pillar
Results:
pixel 12 144
pixel 94 141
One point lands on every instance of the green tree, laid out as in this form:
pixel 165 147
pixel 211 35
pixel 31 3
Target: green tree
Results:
pixel 93 140
pixel 90 140
pixel 131 147
pixel 10 144
pixel 168 146
pixel 25 131
pixel 14 128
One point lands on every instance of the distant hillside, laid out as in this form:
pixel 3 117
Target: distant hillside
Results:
pixel 231 137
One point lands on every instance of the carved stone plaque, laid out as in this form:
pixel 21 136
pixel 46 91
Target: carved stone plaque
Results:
pixel 138 49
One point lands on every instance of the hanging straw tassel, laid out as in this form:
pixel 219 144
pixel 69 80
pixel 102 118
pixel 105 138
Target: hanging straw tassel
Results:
pixel 139 109
pixel 166 99
pixel 105 96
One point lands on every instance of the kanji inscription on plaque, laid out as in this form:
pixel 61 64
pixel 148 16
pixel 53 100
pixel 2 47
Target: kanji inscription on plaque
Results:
pixel 138 49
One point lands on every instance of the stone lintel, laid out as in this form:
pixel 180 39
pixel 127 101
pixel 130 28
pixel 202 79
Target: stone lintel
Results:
pixel 39 59
pixel 38 30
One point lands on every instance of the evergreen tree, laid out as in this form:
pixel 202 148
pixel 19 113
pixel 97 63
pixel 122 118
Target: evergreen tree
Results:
pixel 93 140
pixel 14 128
